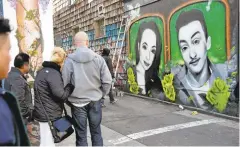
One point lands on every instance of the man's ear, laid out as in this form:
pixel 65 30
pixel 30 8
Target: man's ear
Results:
pixel 87 43
pixel 209 42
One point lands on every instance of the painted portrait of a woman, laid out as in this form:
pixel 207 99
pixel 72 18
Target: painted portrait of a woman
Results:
pixel 148 47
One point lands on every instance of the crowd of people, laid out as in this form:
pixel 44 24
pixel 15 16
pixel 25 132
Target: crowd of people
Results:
pixel 81 80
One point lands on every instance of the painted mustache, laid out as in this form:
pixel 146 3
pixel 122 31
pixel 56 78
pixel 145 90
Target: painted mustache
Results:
pixel 194 61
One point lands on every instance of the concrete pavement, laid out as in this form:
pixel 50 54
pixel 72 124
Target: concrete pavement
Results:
pixel 134 121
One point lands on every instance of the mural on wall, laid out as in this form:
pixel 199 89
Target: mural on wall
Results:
pixel 146 42
pixel 32 32
pixel 198 66
pixel 200 74
pixel 134 11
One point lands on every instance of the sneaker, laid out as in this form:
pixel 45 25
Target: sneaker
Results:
pixel 113 102
pixel 103 106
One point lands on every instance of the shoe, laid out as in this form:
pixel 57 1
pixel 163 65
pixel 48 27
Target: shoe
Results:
pixel 113 102
pixel 103 106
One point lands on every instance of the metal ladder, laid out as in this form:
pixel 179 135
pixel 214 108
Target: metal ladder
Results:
pixel 127 20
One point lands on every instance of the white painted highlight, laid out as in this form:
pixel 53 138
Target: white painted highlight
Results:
pixel 208 7
pixel 163 130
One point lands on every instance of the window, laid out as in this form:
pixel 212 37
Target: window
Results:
pixel 100 10
pixel 99 28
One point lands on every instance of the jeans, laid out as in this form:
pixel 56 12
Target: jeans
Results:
pixel 92 112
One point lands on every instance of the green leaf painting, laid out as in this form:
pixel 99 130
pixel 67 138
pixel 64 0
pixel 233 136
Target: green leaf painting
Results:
pixel 134 88
pixel 31 14
pixel 168 87
pixel 218 94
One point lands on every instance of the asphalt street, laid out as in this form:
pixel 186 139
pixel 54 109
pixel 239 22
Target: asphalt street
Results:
pixel 133 121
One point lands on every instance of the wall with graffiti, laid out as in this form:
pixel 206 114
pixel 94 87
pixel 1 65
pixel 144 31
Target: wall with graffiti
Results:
pixel 32 25
pixel 185 51
pixel 110 41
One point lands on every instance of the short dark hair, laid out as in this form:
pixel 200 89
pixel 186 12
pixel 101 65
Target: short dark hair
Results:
pixel 21 59
pixel 190 16
pixel 4 26
pixel 106 52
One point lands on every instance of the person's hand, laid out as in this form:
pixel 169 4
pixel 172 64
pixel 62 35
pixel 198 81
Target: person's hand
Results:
pixel 113 80
pixel 68 103
pixel 30 116
pixel 69 87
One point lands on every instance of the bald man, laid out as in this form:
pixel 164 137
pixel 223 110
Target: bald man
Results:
pixel 92 79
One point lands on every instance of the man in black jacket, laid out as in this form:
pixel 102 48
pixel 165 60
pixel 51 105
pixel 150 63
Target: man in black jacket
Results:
pixel 18 85
pixel 12 130
pixel 105 55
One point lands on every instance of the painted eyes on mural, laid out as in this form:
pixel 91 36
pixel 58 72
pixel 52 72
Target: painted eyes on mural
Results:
pixel 144 46
pixel 196 41
pixel 153 50
pixel 184 48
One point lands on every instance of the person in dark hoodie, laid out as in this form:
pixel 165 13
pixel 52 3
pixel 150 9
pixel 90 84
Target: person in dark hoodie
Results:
pixel 50 94
pixel 108 60
pixel 12 129
pixel 89 73
pixel 18 85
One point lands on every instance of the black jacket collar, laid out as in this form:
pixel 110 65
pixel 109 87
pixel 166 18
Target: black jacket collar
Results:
pixel 17 71
pixel 52 65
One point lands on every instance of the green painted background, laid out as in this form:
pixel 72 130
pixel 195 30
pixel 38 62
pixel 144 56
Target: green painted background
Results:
pixel 133 36
pixel 215 20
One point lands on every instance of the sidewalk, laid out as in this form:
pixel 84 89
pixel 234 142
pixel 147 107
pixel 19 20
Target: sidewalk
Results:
pixel 133 121
pixel 107 134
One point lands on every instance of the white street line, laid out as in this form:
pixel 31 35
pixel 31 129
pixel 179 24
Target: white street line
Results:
pixel 163 130
pixel 200 116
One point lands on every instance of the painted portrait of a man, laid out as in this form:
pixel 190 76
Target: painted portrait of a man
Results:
pixel 198 73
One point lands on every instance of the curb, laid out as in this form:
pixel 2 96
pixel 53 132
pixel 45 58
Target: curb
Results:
pixel 188 107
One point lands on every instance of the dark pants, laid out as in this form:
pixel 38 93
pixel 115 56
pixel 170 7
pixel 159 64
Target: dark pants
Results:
pixel 111 95
pixel 92 112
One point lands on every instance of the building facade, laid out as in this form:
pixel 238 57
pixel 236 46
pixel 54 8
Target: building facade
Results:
pixel 100 19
